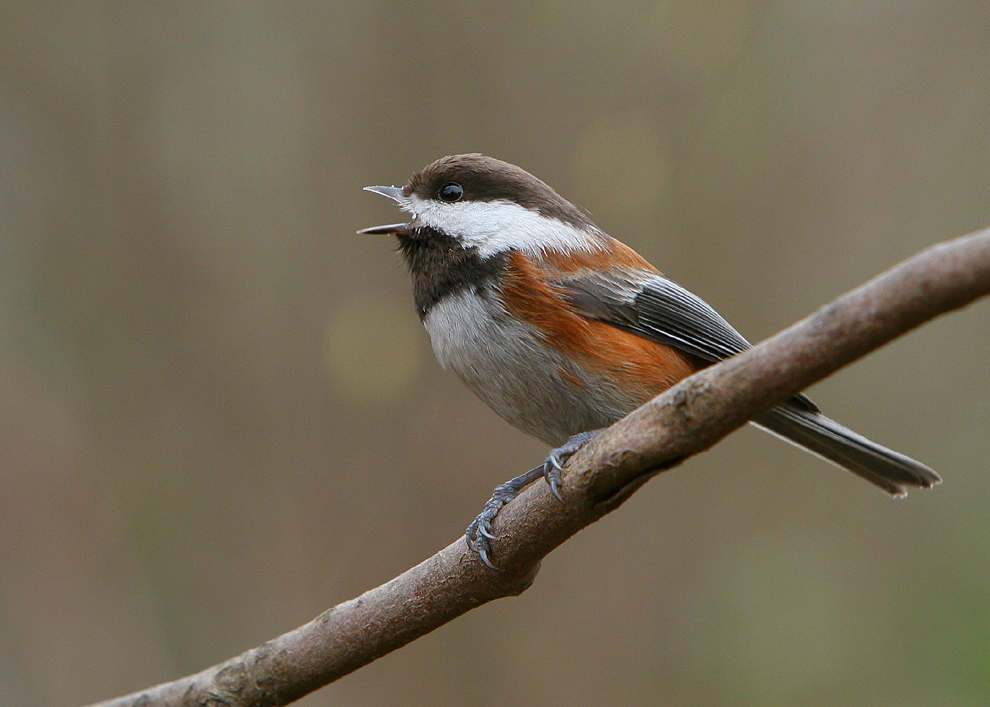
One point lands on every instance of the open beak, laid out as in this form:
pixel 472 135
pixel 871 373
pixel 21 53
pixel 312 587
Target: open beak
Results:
pixel 394 193
pixel 393 229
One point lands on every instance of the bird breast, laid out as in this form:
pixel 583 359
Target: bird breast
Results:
pixel 509 364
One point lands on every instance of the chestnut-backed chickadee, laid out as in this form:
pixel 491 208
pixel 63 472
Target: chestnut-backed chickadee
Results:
pixel 562 330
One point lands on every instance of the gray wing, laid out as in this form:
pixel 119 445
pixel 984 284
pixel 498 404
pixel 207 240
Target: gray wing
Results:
pixel 649 305
pixel 656 308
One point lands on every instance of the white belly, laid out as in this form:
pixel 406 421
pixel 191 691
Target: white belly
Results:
pixel 508 364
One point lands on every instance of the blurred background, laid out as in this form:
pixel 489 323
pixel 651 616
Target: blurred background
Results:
pixel 219 414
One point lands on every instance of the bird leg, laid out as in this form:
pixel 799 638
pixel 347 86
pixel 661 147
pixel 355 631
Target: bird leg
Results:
pixel 479 534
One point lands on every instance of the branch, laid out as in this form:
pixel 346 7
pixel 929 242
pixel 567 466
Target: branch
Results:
pixel 683 421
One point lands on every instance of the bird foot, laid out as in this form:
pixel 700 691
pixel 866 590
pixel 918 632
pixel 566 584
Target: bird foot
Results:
pixel 479 534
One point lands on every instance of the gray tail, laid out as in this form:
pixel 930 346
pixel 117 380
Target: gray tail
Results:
pixel 801 424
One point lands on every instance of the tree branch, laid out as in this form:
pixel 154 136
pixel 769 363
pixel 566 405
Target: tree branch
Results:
pixel 683 421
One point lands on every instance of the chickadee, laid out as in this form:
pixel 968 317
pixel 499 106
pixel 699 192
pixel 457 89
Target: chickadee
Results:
pixel 563 330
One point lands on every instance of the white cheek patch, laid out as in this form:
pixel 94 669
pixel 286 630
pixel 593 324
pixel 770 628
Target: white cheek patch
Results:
pixel 496 226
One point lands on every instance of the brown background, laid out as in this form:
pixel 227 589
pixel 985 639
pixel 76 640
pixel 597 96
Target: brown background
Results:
pixel 219 414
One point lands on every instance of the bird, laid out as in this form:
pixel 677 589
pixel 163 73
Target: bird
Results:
pixel 563 330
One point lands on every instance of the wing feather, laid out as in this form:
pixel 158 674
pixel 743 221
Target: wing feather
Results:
pixel 652 306
pixel 657 308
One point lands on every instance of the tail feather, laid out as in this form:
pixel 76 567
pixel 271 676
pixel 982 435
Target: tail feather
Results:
pixel 812 431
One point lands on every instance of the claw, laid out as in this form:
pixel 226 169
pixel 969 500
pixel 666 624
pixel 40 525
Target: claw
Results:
pixel 551 473
pixel 552 477
pixel 553 467
pixel 483 554
pixel 479 536
pixel 480 544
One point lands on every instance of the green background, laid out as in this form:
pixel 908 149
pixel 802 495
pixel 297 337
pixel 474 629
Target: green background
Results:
pixel 219 414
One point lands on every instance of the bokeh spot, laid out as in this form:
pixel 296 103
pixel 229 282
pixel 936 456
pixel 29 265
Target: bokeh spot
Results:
pixel 374 348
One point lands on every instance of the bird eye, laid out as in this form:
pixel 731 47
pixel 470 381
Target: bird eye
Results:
pixel 450 192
